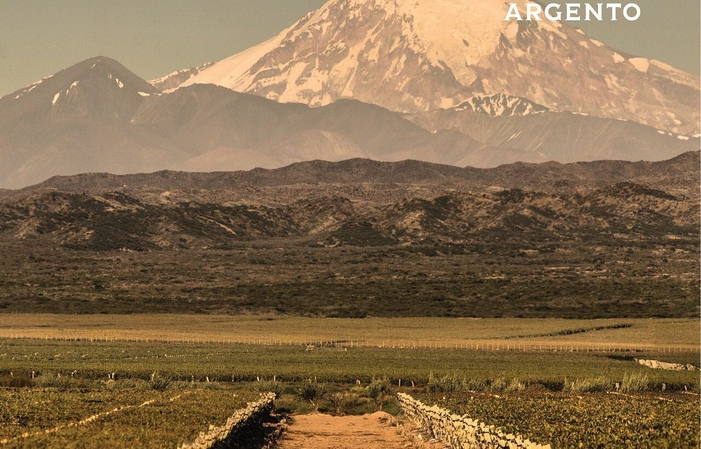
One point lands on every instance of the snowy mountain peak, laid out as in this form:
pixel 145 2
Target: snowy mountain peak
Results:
pixel 419 55
pixel 501 105
pixel 97 87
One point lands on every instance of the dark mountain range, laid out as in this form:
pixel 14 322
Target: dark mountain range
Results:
pixel 358 238
pixel 680 174
pixel 114 221
pixel 360 202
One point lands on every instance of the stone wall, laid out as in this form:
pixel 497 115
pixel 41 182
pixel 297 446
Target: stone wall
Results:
pixel 242 422
pixel 461 432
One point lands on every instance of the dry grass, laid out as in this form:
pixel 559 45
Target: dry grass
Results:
pixel 651 334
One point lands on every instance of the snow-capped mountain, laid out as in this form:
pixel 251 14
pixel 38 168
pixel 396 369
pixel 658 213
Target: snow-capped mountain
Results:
pixel 97 116
pixel 78 120
pixel 177 78
pixel 501 105
pixel 420 55
pixel 96 88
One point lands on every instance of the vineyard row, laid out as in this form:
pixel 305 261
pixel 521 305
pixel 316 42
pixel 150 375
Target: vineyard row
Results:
pixel 483 345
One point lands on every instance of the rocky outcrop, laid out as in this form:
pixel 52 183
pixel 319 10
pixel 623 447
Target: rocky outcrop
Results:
pixel 656 364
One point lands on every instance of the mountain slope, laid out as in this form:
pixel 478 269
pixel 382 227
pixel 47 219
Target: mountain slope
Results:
pixel 74 121
pixel 414 56
pixel 225 130
pixel 556 136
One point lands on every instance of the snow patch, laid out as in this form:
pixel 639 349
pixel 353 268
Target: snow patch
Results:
pixel 580 31
pixel 618 58
pixel 144 94
pixel 683 137
pixel 659 131
pixel 53 102
pixel 75 84
pixel 584 44
pixel 597 43
pixel 119 83
pixel 641 64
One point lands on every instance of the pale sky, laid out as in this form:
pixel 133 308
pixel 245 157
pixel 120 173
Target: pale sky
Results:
pixel 155 37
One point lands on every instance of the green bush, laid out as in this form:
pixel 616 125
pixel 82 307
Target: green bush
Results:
pixel 53 380
pixel 634 383
pixel 589 385
pixel 159 382
pixel 272 386
pixel 445 384
pixel 311 391
pixel 378 389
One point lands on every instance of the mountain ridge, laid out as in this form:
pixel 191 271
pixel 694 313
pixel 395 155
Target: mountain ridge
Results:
pixel 416 56
pixel 681 173
pixel 97 116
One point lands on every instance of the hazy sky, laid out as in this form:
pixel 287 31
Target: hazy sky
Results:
pixel 155 37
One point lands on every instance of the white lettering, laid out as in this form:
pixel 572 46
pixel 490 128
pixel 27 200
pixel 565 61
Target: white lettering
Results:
pixel 590 11
pixel 533 11
pixel 550 16
pixel 637 15
pixel 513 13
pixel 572 11
pixel 614 7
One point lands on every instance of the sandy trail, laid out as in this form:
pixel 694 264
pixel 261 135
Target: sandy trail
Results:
pixel 318 431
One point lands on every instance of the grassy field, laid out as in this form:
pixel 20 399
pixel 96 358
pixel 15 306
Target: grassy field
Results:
pixel 661 335
pixel 157 381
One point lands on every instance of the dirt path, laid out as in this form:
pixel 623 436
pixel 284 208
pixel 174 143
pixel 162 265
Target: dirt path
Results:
pixel 318 431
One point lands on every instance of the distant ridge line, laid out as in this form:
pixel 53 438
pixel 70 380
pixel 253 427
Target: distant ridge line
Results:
pixel 359 170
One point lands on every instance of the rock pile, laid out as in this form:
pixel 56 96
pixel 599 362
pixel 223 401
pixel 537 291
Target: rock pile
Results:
pixel 656 364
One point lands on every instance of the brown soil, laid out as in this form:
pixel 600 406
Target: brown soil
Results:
pixel 318 431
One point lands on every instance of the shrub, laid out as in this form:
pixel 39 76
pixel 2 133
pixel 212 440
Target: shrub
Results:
pixel 445 384
pixel 311 391
pixel 588 385
pixel 377 390
pixel 272 386
pixel 159 382
pixel 634 383
pixel 52 380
